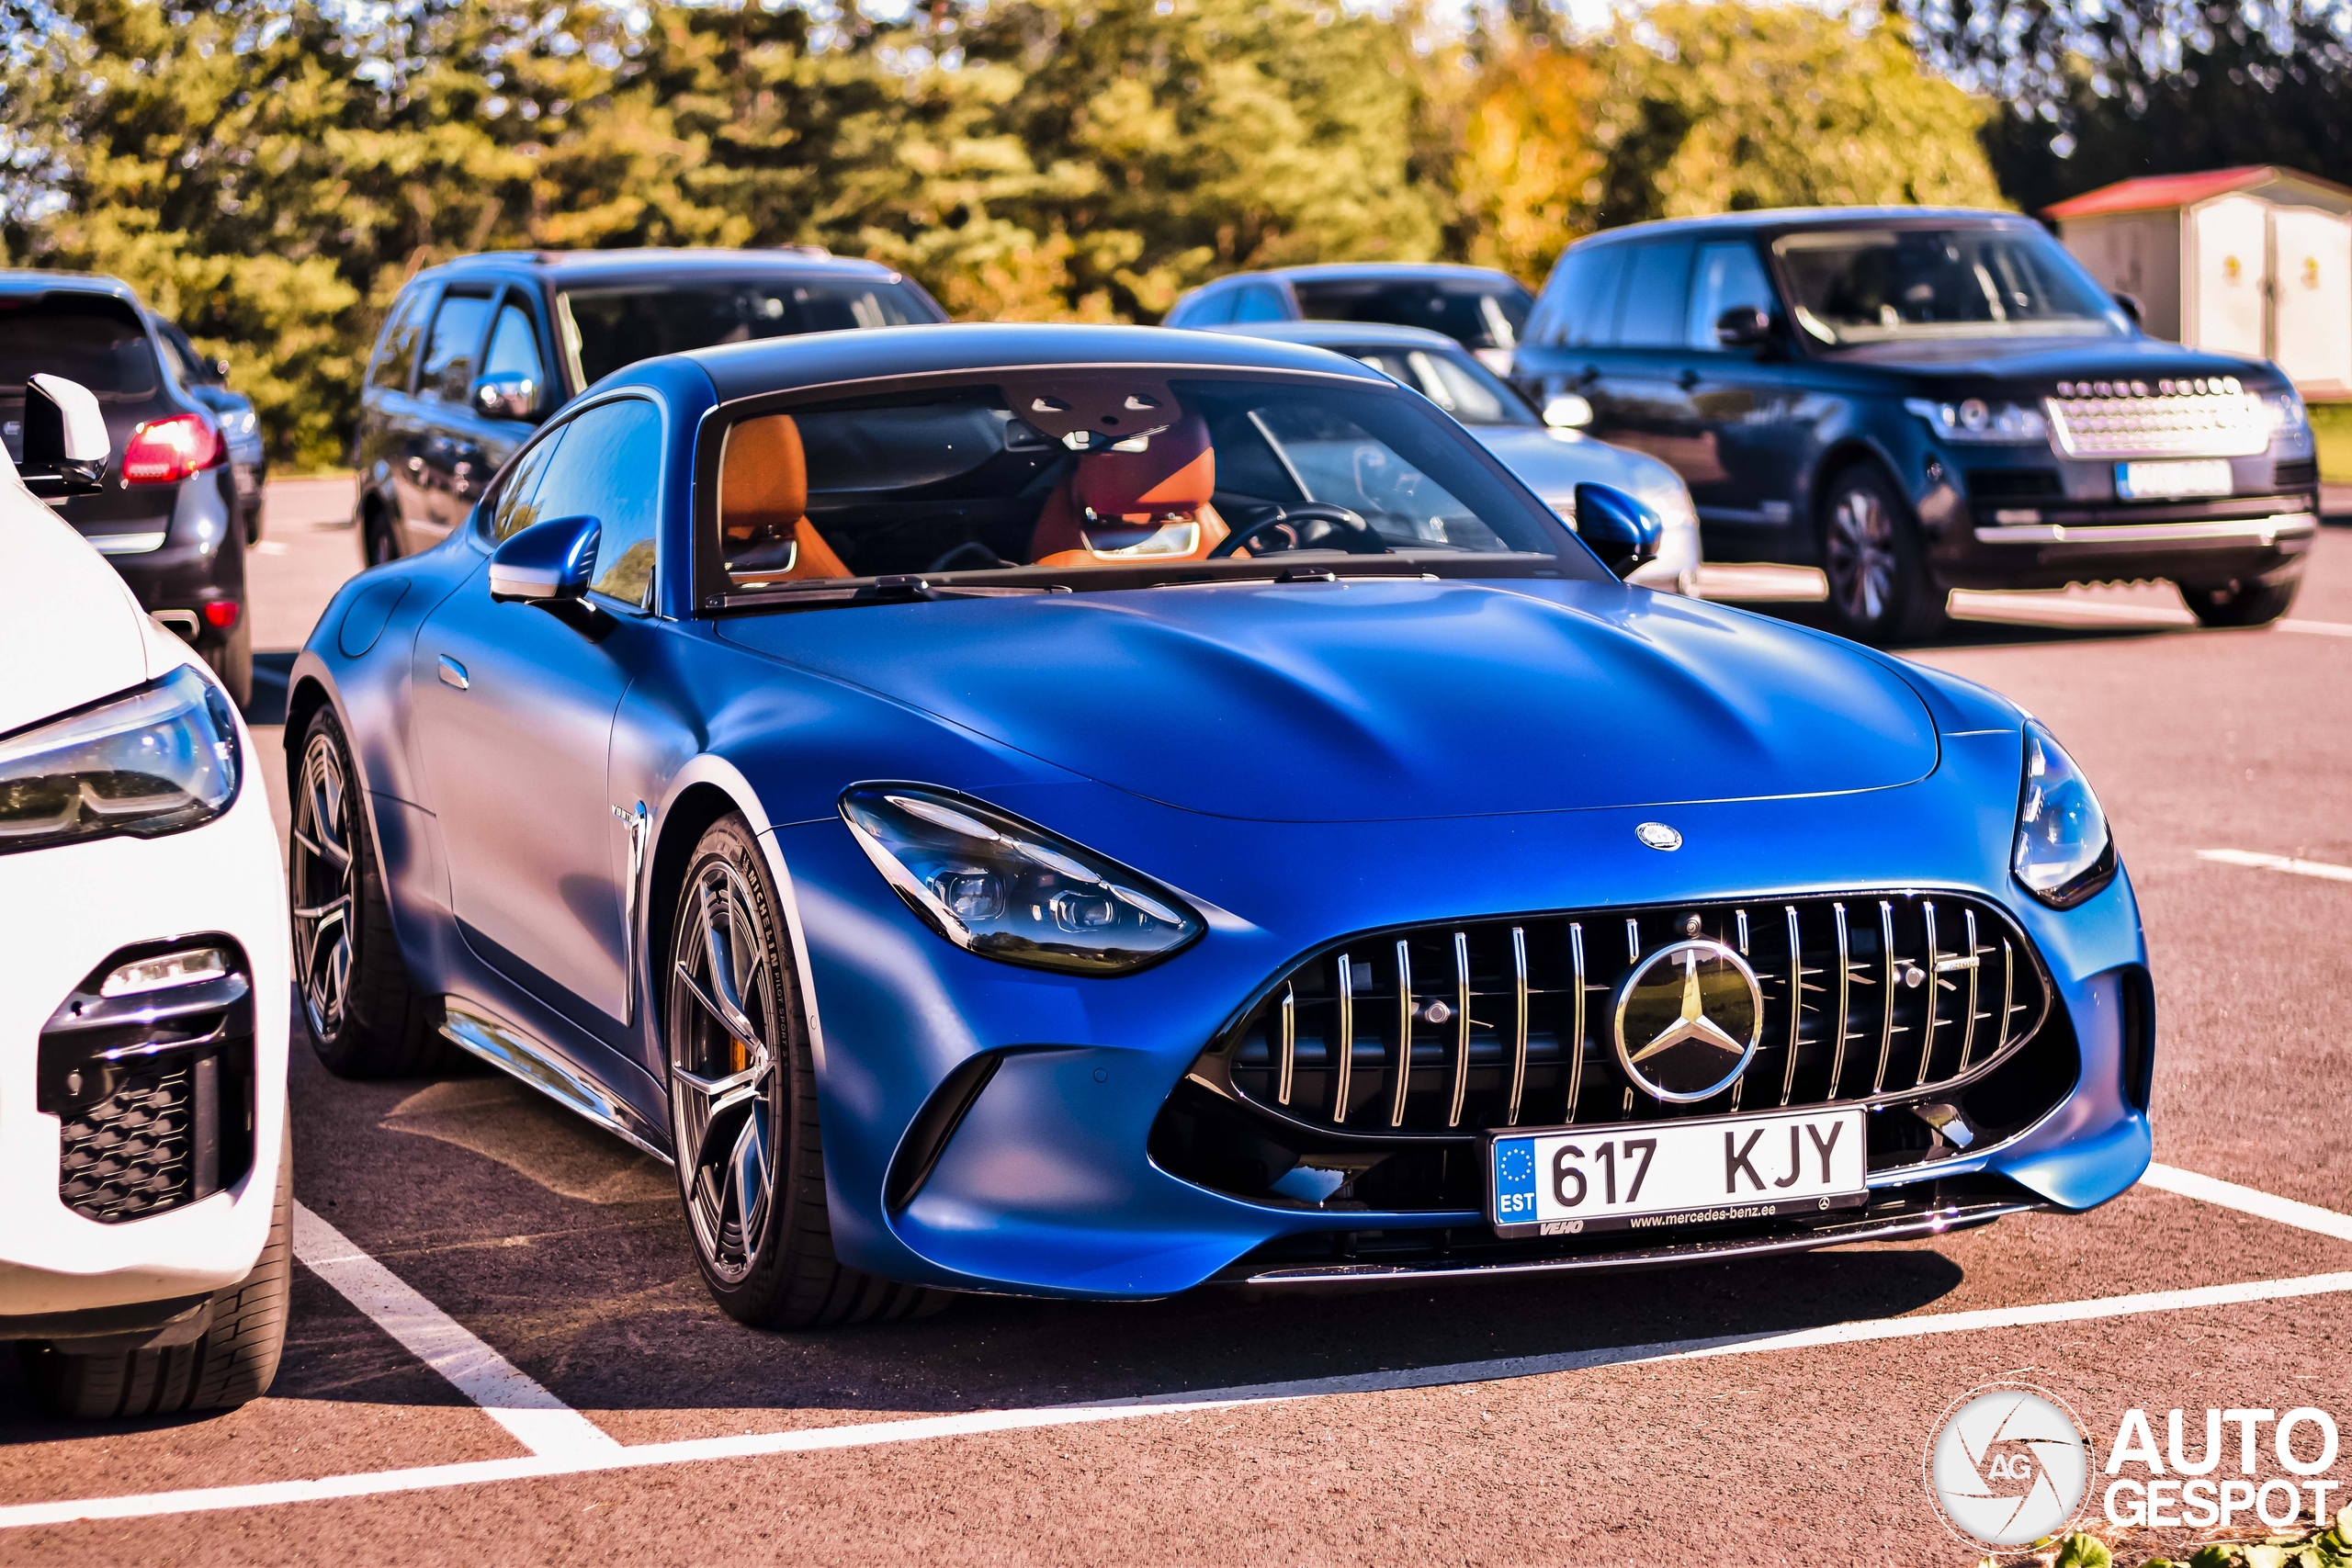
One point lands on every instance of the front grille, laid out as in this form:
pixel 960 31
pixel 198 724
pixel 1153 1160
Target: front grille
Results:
pixel 2300 474
pixel 1919 1004
pixel 2171 419
pixel 153 1089
pixel 2014 484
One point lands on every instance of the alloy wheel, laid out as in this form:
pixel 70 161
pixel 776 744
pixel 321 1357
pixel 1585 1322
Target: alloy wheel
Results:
pixel 324 877
pixel 726 1049
pixel 1861 555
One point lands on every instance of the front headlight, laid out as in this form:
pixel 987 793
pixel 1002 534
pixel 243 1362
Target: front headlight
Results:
pixel 1975 420
pixel 2064 851
pixel 156 760
pixel 1007 889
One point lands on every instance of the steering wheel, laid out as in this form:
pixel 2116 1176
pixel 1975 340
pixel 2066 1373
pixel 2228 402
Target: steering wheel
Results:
pixel 1311 527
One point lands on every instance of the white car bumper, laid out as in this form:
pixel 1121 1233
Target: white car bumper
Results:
pixel 64 911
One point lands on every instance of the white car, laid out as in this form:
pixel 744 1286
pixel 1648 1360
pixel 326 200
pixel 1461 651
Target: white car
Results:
pixel 1550 459
pixel 145 1169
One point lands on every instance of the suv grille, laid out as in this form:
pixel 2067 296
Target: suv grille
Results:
pixel 2171 419
pixel 1454 1030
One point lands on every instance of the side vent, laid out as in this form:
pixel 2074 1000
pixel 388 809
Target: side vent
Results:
pixel 928 1139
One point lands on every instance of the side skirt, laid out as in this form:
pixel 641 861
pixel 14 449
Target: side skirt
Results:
pixel 473 1028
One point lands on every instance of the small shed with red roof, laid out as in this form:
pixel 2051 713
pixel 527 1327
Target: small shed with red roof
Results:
pixel 2254 260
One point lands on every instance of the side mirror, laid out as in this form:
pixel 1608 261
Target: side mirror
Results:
pixel 1622 532
pixel 1743 326
pixel 547 561
pixel 504 397
pixel 66 446
pixel 220 372
pixel 2130 305
pixel 1568 411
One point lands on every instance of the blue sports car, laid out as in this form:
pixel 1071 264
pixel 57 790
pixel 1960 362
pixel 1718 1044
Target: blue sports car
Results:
pixel 1094 811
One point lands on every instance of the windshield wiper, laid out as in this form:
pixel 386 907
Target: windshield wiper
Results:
pixel 891 590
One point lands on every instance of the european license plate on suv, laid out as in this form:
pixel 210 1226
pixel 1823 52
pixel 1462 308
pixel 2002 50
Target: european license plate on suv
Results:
pixel 2172 481
pixel 1640 1174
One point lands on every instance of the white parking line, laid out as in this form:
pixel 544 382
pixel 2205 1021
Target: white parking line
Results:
pixel 1993 605
pixel 2249 1201
pixel 2317 628
pixel 2260 861
pixel 981 1423
pixel 538 1420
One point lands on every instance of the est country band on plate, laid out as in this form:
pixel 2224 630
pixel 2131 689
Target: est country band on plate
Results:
pixel 1633 1175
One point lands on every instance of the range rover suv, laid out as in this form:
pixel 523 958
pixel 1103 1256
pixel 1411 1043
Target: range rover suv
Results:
pixel 475 355
pixel 1916 400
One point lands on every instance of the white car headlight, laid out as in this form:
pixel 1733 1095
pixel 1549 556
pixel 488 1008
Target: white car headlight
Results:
pixel 2063 853
pixel 1975 420
pixel 160 759
pixel 1008 889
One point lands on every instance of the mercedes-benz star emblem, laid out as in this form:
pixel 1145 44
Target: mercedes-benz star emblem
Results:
pixel 1688 1020
pixel 1658 836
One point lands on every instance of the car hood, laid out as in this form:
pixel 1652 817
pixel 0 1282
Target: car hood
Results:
pixel 1553 463
pixel 75 634
pixel 2045 359
pixel 1374 700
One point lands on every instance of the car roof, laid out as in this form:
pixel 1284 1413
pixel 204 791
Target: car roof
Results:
pixel 656 262
pixel 1330 335
pixel 1776 218
pixel 819 359
pixel 1382 272
pixel 33 280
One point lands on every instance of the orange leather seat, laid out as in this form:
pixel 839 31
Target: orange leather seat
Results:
pixel 1148 505
pixel 763 526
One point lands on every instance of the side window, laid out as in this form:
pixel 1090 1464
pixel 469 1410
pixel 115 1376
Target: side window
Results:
pixel 1580 305
pixel 396 356
pixel 516 506
pixel 609 468
pixel 1726 276
pixel 514 345
pixel 1657 296
pixel 450 352
pixel 1260 303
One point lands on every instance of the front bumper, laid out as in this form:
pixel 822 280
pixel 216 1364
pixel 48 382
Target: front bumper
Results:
pixel 62 912
pixel 1045 1186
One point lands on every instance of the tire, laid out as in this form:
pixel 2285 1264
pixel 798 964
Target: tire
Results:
pixel 1879 587
pixel 253 524
pixel 233 1361
pixel 2242 604
pixel 378 538
pixel 743 1106
pixel 364 1018
pixel 232 661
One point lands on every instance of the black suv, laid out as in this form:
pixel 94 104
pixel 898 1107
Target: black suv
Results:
pixel 167 512
pixel 1916 400
pixel 476 354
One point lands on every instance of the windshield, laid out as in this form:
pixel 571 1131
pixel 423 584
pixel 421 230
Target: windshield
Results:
pixel 94 339
pixel 613 327
pixel 1474 314
pixel 1453 381
pixel 1851 285
pixel 1063 472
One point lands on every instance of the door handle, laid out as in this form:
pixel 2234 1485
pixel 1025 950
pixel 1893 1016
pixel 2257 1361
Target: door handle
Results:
pixel 454 674
pixel 1687 381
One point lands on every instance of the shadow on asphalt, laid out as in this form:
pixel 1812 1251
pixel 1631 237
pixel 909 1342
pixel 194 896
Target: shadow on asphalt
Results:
pixel 271 674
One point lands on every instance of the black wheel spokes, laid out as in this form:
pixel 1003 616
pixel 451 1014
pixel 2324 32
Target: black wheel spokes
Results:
pixel 723 1060
pixel 324 880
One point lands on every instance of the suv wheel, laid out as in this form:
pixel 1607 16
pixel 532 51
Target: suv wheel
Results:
pixel 1879 587
pixel 2242 603
pixel 365 1020
pixel 231 1363
pixel 743 1106
pixel 379 540
pixel 233 661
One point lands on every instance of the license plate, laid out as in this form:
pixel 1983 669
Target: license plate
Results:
pixel 1644 1175
pixel 2171 481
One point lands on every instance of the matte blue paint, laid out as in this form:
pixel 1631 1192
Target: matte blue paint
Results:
pixel 1302 761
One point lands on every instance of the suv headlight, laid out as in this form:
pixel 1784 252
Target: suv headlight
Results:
pixel 1007 889
pixel 159 760
pixel 1973 419
pixel 2063 853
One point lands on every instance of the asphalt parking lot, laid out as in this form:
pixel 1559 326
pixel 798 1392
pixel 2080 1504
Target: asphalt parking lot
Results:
pixel 500 1348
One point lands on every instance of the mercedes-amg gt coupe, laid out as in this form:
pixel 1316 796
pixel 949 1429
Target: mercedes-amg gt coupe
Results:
pixel 1092 812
